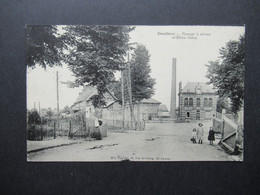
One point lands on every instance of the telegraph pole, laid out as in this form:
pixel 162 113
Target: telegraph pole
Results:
pixel 57 81
pixel 123 97
pixel 130 94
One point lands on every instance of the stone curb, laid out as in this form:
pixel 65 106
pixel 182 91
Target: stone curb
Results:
pixel 49 147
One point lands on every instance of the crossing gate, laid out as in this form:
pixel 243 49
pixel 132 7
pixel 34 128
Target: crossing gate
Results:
pixel 231 133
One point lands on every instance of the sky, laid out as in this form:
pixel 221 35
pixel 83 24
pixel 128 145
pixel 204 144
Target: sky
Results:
pixel 192 46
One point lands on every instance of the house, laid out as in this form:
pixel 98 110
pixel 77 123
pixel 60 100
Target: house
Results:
pixel 163 111
pixel 113 110
pixel 83 104
pixel 197 101
pixel 149 108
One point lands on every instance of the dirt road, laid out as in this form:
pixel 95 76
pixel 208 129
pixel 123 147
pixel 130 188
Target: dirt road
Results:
pixel 159 142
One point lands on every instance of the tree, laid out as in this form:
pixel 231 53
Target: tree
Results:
pixel 66 110
pixel 44 46
pixel 34 117
pixel 93 53
pixel 49 113
pixel 96 53
pixel 142 83
pixel 223 103
pixel 227 74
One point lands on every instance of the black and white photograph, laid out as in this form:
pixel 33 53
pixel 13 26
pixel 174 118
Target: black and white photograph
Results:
pixel 104 93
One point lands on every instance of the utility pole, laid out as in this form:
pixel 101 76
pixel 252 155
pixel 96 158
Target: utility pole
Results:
pixel 57 80
pixel 130 94
pixel 123 97
pixel 40 112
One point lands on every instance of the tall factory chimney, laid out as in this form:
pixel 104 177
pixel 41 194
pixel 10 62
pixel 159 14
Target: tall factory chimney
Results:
pixel 173 90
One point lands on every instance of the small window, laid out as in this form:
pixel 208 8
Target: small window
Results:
pixel 205 104
pixel 191 102
pixel 188 114
pixel 210 102
pixel 186 102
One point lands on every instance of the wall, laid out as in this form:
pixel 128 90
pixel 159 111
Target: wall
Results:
pixel 205 112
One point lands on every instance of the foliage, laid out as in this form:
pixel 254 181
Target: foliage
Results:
pixel 66 110
pixel 49 113
pixel 141 81
pixel 96 52
pixel 223 103
pixel 227 74
pixel 93 53
pixel 44 46
pixel 98 101
pixel 115 88
pixel 34 117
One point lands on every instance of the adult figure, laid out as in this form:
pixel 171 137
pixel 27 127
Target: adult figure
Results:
pixel 200 133
pixel 98 123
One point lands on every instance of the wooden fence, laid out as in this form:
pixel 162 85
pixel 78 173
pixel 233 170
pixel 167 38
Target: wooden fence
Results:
pixel 231 132
pixel 70 127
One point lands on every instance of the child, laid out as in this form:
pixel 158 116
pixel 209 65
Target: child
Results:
pixel 194 135
pixel 211 136
pixel 200 133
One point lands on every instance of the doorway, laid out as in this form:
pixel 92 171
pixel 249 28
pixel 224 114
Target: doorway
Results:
pixel 198 115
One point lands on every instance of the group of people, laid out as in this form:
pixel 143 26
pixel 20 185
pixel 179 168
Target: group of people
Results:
pixel 197 134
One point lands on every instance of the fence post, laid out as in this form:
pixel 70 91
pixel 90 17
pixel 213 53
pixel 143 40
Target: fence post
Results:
pixel 85 127
pixel 236 147
pixel 54 130
pixel 70 129
pixel 223 112
pixel 88 127
pixel 222 129
pixel 41 133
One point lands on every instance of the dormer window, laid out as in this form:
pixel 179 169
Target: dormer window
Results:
pixel 198 89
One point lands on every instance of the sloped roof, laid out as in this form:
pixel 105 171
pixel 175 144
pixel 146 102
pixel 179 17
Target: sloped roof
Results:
pixel 163 108
pixel 87 92
pixel 190 87
pixel 150 101
pixel 109 104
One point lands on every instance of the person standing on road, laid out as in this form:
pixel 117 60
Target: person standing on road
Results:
pixel 194 136
pixel 98 123
pixel 143 119
pixel 211 136
pixel 200 133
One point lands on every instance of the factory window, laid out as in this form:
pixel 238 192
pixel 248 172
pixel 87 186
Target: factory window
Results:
pixel 186 102
pixel 198 102
pixel 205 104
pixel 191 102
pixel 210 102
